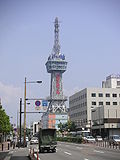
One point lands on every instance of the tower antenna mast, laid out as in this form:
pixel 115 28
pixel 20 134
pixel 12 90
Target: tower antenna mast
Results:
pixel 56 47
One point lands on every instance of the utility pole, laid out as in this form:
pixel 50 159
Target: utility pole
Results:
pixel 17 125
pixel 25 114
pixel 20 118
pixel 25 108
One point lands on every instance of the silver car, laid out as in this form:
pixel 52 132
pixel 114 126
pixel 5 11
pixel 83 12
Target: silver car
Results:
pixel 98 138
pixel 90 139
pixel 114 139
pixel 34 140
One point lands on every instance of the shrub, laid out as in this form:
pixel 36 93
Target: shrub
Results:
pixel 70 139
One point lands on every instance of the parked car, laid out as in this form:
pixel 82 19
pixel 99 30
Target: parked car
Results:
pixel 98 138
pixel 34 140
pixel 27 139
pixel 114 139
pixel 90 139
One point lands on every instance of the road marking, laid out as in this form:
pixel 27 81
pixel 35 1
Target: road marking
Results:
pixel 98 151
pixel 79 147
pixel 86 159
pixel 68 153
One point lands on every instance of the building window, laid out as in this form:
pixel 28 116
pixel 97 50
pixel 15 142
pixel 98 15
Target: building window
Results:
pixel 107 103
pixel 93 95
pixel 100 95
pixel 118 83
pixel 94 103
pixel 107 95
pixel 100 103
pixel 114 95
pixel 114 103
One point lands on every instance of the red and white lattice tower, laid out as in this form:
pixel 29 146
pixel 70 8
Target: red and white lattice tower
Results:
pixel 56 65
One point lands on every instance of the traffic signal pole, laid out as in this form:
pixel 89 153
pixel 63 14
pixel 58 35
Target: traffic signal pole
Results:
pixel 20 118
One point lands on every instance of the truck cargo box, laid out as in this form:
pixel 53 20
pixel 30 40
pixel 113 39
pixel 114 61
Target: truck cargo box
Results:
pixel 47 140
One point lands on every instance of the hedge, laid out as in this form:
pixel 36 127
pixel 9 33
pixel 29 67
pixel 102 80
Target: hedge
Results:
pixel 70 139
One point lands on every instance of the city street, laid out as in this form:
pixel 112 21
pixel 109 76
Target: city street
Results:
pixel 18 154
pixel 67 151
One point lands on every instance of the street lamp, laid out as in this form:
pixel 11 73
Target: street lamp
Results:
pixel 112 129
pixel 25 108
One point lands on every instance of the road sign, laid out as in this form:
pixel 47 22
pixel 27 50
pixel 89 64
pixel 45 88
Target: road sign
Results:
pixel 41 105
pixel 44 103
pixel 37 103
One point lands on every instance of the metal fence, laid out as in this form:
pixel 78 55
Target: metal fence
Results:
pixel 107 144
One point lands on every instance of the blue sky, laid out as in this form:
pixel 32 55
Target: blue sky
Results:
pixel 89 38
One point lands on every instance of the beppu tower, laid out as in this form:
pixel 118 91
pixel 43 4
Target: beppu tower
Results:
pixel 56 65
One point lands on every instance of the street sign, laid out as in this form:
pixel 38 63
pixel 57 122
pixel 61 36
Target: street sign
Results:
pixel 44 103
pixel 37 103
pixel 41 105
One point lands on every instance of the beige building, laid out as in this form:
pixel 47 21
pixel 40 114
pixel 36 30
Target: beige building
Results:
pixel 106 120
pixel 81 103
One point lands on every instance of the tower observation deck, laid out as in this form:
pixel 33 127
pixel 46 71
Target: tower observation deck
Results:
pixel 56 65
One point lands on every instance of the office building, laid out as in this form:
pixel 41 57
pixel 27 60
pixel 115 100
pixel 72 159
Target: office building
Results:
pixel 81 103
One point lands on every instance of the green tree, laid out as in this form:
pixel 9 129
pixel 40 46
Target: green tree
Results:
pixel 5 125
pixel 60 126
pixel 69 126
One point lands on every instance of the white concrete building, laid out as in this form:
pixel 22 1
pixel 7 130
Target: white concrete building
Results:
pixel 81 103
pixel 112 81
pixel 34 128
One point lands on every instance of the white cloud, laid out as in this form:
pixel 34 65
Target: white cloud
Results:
pixel 10 96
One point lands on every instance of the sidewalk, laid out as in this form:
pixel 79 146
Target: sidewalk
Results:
pixel 4 146
pixel 4 150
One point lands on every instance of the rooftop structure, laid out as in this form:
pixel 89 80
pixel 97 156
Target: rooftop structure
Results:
pixel 112 81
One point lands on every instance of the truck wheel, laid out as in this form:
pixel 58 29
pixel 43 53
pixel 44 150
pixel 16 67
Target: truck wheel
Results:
pixel 40 150
pixel 48 150
pixel 54 150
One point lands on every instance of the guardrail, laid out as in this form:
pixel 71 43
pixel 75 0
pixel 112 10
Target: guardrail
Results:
pixel 107 144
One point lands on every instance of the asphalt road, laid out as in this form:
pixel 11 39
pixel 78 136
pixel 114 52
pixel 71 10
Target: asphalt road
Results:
pixel 68 151
pixel 18 154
